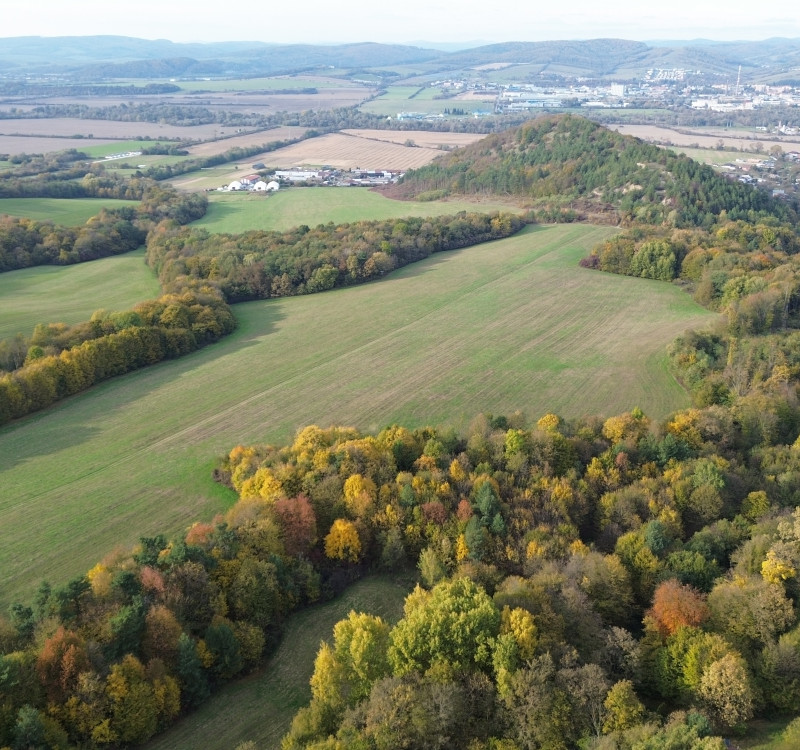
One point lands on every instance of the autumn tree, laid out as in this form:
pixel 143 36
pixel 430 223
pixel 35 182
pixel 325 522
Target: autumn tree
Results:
pixel 343 542
pixel 298 524
pixel 676 605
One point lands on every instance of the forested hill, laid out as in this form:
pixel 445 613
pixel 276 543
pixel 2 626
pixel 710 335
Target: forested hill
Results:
pixel 574 164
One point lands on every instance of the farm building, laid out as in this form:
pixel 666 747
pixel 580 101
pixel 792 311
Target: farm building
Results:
pixel 266 187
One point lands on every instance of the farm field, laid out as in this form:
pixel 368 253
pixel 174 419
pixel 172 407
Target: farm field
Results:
pixel 264 703
pixel 333 150
pixel 425 138
pixel 348 152
pixel 111 129
pixel 265 84
pixel 70 212
pixel 513 324
pixel 730 139
pixel 240 212
pixel 256 138
pixel 70 294
pixel 26 144
pixel 401 99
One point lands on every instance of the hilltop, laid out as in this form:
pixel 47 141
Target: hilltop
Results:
pixel 575 168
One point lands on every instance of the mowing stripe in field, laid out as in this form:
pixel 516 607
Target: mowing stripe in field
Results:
pixel 508 325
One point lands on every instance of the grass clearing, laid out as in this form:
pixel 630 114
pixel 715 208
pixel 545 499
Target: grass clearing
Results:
pixel 70 294
pixel 69 212
pixel 109 149
pixel 512 324
pixel 264 703
pixel 240 212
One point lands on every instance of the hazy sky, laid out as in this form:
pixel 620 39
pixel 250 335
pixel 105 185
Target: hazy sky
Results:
pixel 401 20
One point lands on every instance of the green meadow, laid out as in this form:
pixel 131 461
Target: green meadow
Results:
pixel 70 294
pixel 240 212
pixel 70 212
pixel 513 324
pixel 406 99
pixel 119 147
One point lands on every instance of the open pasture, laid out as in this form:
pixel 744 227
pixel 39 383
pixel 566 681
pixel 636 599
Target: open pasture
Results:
pixel 70 212
pixel 265 702
pixel 70 294
pixel 512 324
pixel 239 212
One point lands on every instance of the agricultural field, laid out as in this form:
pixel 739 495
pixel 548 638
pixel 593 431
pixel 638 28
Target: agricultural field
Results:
pixel 65 128
pixel 240 212
pixel 423 138
pixel 118 147
pixel 264 703
pixel 273 83
pixel 70 212
pixel 28 144
pixel 256 138
pixel 70 294
pixel 739 140
pixel 333 150
pixel 508 325
pixel 410 99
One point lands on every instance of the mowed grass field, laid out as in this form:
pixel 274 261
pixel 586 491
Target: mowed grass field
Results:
pixel 513 324
pixel 239 212
pixel 264 703
pixel 70 212
pixel 70 294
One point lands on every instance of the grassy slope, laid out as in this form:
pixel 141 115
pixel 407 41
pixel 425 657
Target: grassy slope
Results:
pixel 264 703
pixel 509 325
pixel 70 212
pixel 238 212
pixel 70 294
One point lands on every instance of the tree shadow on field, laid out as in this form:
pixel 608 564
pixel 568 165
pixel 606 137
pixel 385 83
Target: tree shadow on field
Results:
pixel 218 213
pixel 69 422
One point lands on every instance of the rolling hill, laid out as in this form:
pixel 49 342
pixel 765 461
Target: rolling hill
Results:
pixel 567 163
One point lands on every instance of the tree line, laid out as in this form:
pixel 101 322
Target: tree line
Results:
pixel 262 264
pixel 575 576
pixel 61 360
pixel 28 242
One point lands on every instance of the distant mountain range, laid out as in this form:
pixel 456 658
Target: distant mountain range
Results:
pixel 119 56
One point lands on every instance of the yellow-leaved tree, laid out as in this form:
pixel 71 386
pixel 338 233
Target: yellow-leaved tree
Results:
pixel 342 542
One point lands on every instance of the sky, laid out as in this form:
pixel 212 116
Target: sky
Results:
pixel 403 21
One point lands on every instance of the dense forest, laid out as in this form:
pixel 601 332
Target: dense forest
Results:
pixel 580 583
